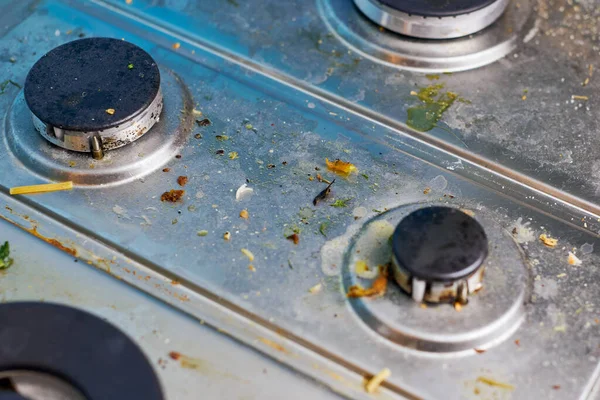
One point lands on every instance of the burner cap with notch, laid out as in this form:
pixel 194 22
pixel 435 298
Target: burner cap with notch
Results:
pixel 438 254
pixel 94 95
pixel 433 19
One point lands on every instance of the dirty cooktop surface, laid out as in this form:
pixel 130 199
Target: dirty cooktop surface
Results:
pixel 268 94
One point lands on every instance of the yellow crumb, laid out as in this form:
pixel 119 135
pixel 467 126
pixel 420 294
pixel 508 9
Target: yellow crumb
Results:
pixel 373 383
pixel 176 45
pixel 316 289
pixel 244 214
pixel 251 268
pixel 248 254
pixel 457 306
pixel 524 97
pixel 47 187
pixel 110 111
pixel 340 167
pixel 548 241
pixel 575 97
pixel 227 236
pixel 413 93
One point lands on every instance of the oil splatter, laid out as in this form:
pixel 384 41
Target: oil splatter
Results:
pixel 433 103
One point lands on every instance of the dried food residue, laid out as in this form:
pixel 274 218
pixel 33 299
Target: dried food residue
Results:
pixel 323 194
pixel 316 289
pixel 294 238
pixel 340 167
pixel 5 260
pixel 273 345
pixel 378 289
pixel 166 169
pixel 434 102
pixel 182 180
pixel 172 196
pixel 548 241
pixel 110 111
pixel 495 383
pixel 222 138
pixel 341 203
pixel 244 214
pixel 364 271
pixel 233 155
pixel 203 122
pixel 426 190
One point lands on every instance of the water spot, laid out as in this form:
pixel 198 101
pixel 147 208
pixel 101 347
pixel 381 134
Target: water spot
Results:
pixel 587 248
pixel 439 183
pixel 359 212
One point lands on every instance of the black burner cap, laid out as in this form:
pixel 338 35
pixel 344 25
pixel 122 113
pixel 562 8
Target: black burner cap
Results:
pixel 92 355
pixel 439 244
pixel 73 85
pixel 437 8
pixel 11 396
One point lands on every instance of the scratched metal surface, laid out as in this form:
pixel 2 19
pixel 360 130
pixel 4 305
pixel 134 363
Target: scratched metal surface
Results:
pixel 281 132
pixel 43 273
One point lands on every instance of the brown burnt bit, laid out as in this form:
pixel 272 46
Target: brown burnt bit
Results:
pixel 556 387
pixel 294 238
pixel 178 156
pixel 220 152
pixel 479 351
pixel 172 196
pixel 175 355
pixel 203 122
pixel 323 195
pixel 167 170
pixel 182 180
pixel 53 242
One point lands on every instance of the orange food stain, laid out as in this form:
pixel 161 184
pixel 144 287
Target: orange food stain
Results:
pixel 274 345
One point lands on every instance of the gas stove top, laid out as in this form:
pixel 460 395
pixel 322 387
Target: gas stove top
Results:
pixel 356 199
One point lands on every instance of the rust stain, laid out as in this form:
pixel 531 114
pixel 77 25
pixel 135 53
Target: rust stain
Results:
pixel 175 283
pixel 201 366
pixel 54 242
pixel 274 345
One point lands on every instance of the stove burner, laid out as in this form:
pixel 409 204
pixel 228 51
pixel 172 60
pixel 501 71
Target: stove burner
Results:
pixel 77 347
pixel 433 19
pixel 93 95
pixel 437 254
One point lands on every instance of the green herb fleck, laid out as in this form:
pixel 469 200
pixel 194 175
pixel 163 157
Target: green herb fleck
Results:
pixel 432 77
pixel 434 103
pixel 290 264
pixel 5 260
pixel 4 84
pixel 249 127
pixel 377 211
pixel 365 176
pixel 202 233
pixel 339 203
pixel 323 228
pixel 290 230
pixel 130 66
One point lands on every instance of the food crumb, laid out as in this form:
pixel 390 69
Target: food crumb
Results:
pixel 457 306
pixel 316 289
pixel 378 289
pixel 227 235
pixel 548 241
pixel 172 196
pixel 479 351
pixel 373 383
pixel 426 190
pixel 176 45
pixel 182 180
pixel 166 169
pixel 340 167
pixel 203 122
pixel 556 387
pixel 251 268
pixel 248 254
pixel 110 111
pixel 294 238
pixel 244 214
pixel 178 156
pixel 202 233
pixel 233 155
pixel 518 342
pixel 574 260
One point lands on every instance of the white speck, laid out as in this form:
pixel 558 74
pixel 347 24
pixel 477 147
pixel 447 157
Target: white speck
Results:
pixel 573 260
pixel 57 33
pixel 146 220
pixel 311 105
pixel 243 192
pixel 167 341
pixel 199 194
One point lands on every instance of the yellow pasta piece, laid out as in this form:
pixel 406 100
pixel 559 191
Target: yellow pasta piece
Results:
pixel 46 187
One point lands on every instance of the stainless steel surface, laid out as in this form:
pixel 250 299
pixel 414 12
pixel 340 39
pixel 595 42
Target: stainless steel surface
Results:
pixel 393 50
pixel 284 92
pixel 430 27
pixel 491 316
pixel 111 138
pixel 148 153
pixel 40 386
